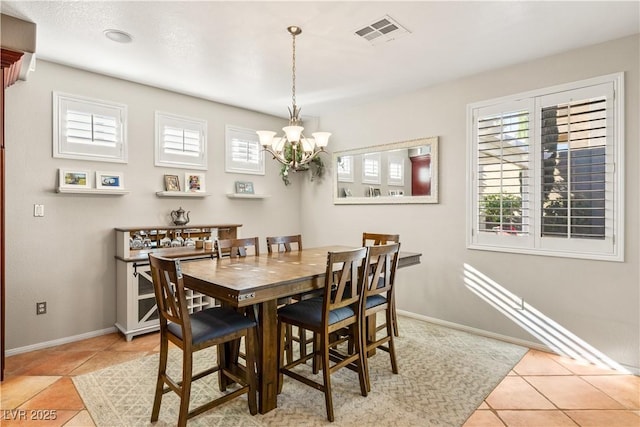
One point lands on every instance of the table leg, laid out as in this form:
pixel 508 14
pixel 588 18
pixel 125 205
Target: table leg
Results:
pixel 267 356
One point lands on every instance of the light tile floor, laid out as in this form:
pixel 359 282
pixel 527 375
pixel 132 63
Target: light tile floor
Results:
pixel 542 390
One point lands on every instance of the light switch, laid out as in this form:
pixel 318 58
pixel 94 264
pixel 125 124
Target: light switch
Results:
pixel 38 210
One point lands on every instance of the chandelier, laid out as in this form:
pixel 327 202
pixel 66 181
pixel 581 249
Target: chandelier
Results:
pixel 293 149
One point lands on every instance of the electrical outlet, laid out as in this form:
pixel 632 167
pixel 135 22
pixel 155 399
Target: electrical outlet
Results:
pixel 41 307
pixel 38 210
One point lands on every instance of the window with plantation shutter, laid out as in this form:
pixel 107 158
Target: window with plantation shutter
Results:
pixel 89 129
pixel 547 171
pixel 181 142
pixel 371 168
pixel 244 154
pixel 396 169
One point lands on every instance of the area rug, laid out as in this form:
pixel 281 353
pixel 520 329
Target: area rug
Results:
pixel 445 374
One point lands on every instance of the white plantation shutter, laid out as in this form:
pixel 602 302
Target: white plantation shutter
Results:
pixel 181 142
pixel 371 168
pixel 577 169
pixel 89 129
pixel 244 153
pixel 502 170
pixel 396 169
pixel 546 171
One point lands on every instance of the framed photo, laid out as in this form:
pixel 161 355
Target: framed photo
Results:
pixel 376 192
pixel 109 180
pixel 194 182
pixel 171 183
pixel 74 179
pixel 244 187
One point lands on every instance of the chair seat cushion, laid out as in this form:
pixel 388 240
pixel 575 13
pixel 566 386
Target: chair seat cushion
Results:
pixel 309 311
pixel 375 300
pixel 213 323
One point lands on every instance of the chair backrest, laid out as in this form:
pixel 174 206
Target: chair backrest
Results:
pixel 373 239
pixel 237 247
pixel 283 243
pixel 170 297
pixel 382 262
pixel 344 280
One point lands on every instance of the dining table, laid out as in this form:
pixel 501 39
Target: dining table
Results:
pixel 260 281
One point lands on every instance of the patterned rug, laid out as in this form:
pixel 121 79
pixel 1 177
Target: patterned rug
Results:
pixel 445 375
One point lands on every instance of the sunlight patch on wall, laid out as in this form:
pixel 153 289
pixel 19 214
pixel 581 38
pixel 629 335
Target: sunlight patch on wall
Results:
pixel 556 337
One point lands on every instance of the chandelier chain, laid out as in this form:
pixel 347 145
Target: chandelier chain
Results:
pixel 293 70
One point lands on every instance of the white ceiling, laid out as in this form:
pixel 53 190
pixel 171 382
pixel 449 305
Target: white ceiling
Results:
pixel 239 52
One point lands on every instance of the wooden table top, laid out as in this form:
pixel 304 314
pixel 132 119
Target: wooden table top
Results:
pixel 250 280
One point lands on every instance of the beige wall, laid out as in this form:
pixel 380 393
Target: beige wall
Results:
pixel 595 300
pixel 67 257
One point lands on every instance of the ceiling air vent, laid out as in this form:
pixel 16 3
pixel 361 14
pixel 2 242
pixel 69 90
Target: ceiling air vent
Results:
pixel 382 30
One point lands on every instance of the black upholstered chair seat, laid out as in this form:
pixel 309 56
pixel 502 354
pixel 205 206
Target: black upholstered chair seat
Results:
pixel 309 311
pixel 213 323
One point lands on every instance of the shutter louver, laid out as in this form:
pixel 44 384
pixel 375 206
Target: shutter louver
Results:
pixel 244 151
pixel 181 141
pixel 575 173
pixel 503 148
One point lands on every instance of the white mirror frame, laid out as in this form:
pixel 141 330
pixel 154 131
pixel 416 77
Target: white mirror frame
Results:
pixel 387 199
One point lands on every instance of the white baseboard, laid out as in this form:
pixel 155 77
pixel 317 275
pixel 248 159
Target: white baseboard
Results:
pixel 635 370
pixel 481 332
pixel 60 341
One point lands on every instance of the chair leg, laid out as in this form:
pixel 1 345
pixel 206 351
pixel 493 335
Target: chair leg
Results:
pixel 392 347
pixel 162 371
pixel 326 375
pixel 394 315
pixel 362 364
pixel 302 334
pixel 288 347
pixel 364 354
pixel 185 390
pixel 316 355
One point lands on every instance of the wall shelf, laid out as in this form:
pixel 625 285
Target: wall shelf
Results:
pixel 182 194
pixel 247 196
pixel 94 191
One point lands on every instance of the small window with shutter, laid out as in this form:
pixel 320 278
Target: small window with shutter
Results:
pixel 181 142
pixel 89 129
pixel 244 153
pixel 547 171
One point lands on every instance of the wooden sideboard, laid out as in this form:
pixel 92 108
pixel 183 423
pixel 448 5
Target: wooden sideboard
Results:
pixel 136 310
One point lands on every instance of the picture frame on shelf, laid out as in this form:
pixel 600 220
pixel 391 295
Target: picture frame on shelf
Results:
pixel 70 178
pixel 109 180
pixel 244 187
pixel 171 183
pixel 376 192
pixel 194 182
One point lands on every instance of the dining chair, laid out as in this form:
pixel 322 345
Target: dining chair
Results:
pixel 369 239
pixel 337 309
pixel 214 326
pixel 377 296
pixel 283 243
pixel 235 248
pixel 287 244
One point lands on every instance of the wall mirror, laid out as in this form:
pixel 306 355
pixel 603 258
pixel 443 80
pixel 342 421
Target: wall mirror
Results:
pixel 396 173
